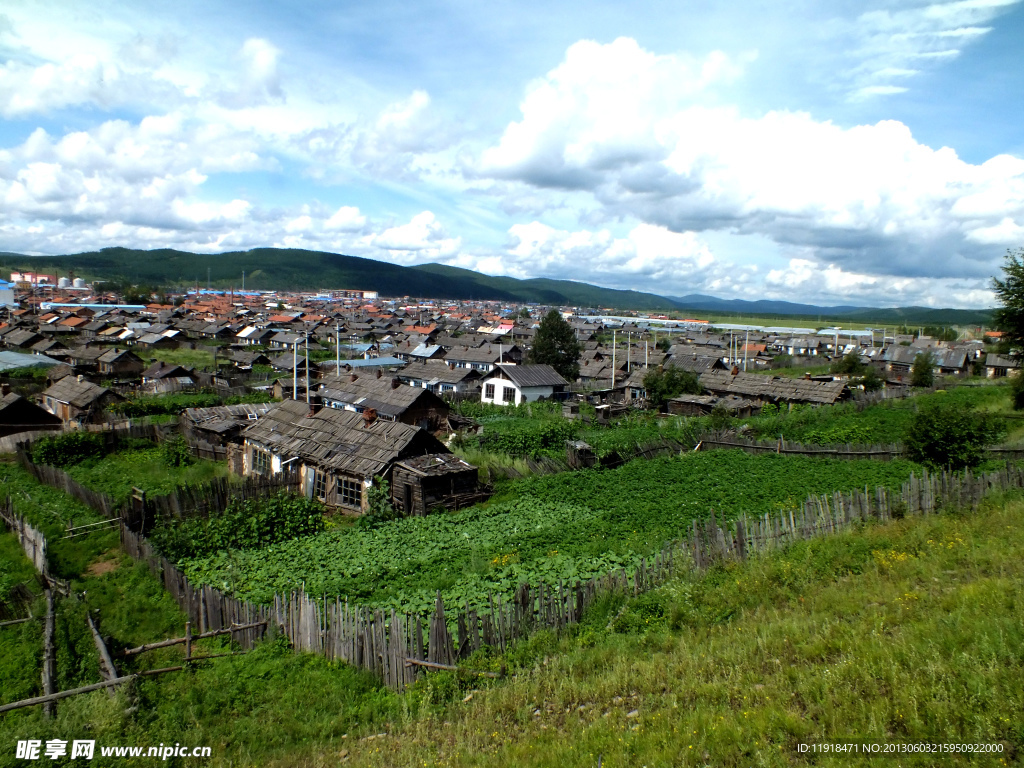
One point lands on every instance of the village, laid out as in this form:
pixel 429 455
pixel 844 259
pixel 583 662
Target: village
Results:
pixel 395 485
pixel 385 378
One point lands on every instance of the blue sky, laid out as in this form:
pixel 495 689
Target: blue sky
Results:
pixel 840 153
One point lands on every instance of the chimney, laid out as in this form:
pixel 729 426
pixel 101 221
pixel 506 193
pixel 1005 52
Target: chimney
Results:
pixel 80 377
pixel 5 389
pixel 369 416
pixel 378 373
pixel 315 407
pixel 353 377
pixel 807 375
pixel 735 370
pixel 395 383
pixel 451 366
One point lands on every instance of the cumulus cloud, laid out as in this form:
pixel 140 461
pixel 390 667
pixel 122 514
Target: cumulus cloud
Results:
pixel 611 122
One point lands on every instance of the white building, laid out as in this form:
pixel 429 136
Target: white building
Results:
pixel 516 384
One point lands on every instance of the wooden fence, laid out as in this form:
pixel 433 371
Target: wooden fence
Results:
pixel 201 499
pixel 33 542
pixel 847 451
pixel 395 646
pixel 61 480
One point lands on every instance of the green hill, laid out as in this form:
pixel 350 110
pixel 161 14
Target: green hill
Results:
pixel 294 269
pixel 302 270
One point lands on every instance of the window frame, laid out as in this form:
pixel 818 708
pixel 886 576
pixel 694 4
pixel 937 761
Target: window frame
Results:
pixel 350 492
pixel 489 391
pixel 508 395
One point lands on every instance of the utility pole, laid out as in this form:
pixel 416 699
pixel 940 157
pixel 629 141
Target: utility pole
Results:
pixel 307 367
pixel 295 369
pixel 337 349
pixel 207 278
pixel 613 358
pixel 243 279
pixel 745 345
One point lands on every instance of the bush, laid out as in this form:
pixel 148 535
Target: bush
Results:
pixel 949 435
pixel 379 507
pixel 176 453
pixel 245 524
pixel 67 449
pixel 1017 392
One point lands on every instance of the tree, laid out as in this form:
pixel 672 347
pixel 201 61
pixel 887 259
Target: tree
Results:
pixel 1009 318
pixel 949 435
pixel 849 364
pixel 555 344
pixel 922 373
pixel 871 381
pixel 663 385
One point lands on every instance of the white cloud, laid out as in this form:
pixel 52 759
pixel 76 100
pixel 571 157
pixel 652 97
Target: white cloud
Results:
pixel 898 41
pixel 422 239
pixel 612 123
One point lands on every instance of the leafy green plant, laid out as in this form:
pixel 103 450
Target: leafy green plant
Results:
pixel 176 453
pixel 245 524
pixel 379 509
pixel 949 435
pixel 68 448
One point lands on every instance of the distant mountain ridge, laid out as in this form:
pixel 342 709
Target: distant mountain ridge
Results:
pixel 296 269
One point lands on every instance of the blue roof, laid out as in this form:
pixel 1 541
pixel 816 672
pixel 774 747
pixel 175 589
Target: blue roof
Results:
pixel 9 360
pixel 373 362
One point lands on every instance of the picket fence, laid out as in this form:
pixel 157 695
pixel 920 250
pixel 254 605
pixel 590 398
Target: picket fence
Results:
pixel 397 646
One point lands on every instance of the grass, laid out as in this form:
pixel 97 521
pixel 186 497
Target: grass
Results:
pixel 189 358
pixel 145 468
pixel 52 511
pixel 907 631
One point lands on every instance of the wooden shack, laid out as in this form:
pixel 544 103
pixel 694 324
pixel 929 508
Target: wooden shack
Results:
pixel 437 481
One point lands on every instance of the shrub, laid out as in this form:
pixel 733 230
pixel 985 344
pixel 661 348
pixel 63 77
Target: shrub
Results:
pixel 176 453
pixel 245 524
pixel 379 507
pixel 67 449
pixel 850 364
pixel 949 435
pixel 1017 392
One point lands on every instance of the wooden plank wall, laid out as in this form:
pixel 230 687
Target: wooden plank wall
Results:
pixel 381 641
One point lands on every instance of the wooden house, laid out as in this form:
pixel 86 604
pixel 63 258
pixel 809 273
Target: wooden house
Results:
pixel 387 396
pixel 19 415
pixel 78 401
pixel 423 484
pixel 120 363
pixel 336 454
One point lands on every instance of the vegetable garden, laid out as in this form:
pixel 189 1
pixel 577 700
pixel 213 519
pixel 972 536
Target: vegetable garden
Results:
pixel 567 526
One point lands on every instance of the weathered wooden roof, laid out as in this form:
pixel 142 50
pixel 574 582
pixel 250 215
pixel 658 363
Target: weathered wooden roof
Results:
pixel 340 440
pixel 80 394
pixel 773 387
pixel 436 464
pixel 382 394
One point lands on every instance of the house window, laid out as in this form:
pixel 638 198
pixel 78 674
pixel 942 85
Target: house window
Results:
pixel 508 395
pixel 320 484
pixel 260 462
pixel 489 392
pixel 350 493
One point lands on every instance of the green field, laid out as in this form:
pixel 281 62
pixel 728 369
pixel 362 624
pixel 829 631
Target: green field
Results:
pixel 568 526
pixel 909 630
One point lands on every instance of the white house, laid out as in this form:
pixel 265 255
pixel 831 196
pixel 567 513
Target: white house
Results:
pixel 515 384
